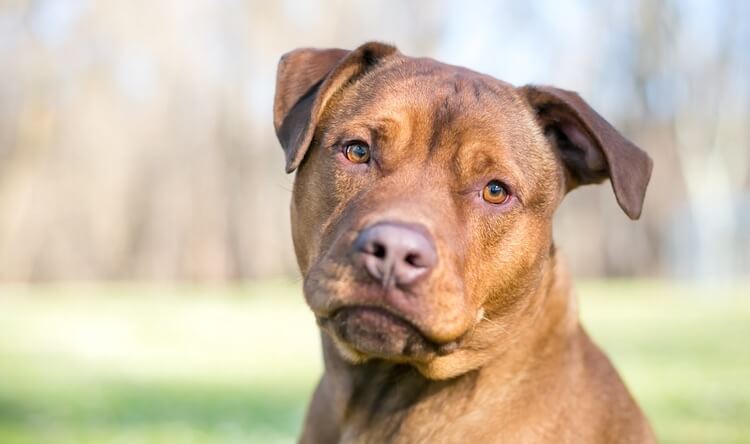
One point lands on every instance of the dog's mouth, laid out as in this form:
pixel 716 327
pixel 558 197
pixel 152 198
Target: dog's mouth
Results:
pixel 377 333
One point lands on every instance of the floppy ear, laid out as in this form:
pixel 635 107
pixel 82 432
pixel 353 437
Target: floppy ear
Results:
pixel 589 147
pixel 305 81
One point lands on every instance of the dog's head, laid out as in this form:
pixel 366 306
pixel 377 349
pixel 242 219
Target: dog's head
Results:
pixel 424 194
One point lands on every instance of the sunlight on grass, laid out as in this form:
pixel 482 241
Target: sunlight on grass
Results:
pixel 132 364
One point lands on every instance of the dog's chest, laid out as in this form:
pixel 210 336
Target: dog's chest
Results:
pixel 403 409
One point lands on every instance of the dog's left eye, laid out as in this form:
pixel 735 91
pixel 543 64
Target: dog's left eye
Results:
pixel 495 193
pixel 357 152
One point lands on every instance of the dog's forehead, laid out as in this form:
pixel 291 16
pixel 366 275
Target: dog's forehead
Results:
pixel 422 92
pixel 436 106
pixel 424 81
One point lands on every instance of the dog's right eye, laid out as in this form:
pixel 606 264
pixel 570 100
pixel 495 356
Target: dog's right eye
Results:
pixel 495 193
pixel 357 152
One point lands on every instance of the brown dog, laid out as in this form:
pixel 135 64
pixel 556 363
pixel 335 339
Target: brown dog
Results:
pixel 422 222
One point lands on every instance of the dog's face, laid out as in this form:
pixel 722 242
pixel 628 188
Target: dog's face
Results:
pixel 423 202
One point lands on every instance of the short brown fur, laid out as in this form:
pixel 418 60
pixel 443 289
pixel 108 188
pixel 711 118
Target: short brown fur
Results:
pixel 502 355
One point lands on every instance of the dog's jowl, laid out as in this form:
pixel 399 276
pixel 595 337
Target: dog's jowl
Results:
pixel 422 223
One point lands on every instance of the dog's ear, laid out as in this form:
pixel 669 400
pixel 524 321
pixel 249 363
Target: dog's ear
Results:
pixel 305 81
pixel 589 147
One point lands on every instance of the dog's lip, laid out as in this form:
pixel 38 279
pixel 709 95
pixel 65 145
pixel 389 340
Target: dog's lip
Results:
pixel 368 295
pixel 388 314
pixel 433 347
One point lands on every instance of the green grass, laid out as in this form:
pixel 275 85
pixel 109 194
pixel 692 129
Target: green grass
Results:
pixel 144 364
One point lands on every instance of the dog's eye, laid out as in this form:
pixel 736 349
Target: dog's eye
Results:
pixel 357 152
pixel 495 193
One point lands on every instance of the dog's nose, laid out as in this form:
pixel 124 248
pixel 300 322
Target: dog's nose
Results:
pixel 395 254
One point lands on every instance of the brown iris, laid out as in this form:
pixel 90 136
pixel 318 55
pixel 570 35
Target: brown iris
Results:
pixel 357 152
pixel 495 193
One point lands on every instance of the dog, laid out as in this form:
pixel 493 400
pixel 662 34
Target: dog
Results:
pixel 421 216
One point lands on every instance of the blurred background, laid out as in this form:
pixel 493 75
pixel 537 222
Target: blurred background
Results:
pixel 148 288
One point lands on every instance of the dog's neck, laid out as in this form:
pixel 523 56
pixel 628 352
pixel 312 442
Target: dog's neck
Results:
pixel 378 392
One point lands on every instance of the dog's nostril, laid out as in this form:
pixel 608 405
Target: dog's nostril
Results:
pixel 378 250
pixel 412 259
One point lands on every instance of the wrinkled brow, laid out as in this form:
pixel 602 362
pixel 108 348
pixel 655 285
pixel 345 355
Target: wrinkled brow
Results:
pixel 387 128
pixel 479 161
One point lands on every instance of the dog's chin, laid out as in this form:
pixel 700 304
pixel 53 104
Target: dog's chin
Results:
pixel 362 333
